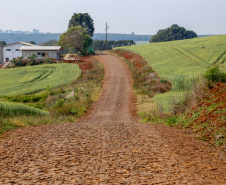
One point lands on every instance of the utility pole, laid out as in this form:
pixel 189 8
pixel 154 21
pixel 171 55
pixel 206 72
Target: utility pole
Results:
pixel 107 27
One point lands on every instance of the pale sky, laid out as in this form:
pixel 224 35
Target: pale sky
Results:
pixel 123 16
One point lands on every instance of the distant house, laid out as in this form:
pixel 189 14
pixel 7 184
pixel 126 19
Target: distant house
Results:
pixel 52 52
pixel 12 51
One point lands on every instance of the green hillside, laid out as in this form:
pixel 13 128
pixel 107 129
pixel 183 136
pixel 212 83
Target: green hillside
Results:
pixel 28 80
pixel 182 62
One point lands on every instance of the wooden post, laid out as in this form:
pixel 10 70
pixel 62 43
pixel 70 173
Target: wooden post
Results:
pixel 106 35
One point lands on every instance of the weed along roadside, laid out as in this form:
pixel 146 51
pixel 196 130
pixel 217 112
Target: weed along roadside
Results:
pixel 55 104
pixel 201 111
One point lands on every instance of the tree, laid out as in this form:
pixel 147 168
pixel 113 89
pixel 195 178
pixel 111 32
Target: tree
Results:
pixel 76 38
pixel 173 33
pixel 84 20
pixel 2 43
pixel 32 42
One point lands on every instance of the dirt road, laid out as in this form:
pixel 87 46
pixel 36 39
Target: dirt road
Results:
pixel 108 146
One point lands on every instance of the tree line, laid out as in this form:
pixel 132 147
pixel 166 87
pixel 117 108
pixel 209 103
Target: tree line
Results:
pixel 117 36
pixel 101 45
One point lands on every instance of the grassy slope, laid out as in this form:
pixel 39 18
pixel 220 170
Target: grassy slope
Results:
pixel 182 61
pixel 28 80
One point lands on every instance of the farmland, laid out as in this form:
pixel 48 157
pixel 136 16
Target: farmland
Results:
pixel 33 79
pixel 8 109
pixel 48 93
pixel 182 62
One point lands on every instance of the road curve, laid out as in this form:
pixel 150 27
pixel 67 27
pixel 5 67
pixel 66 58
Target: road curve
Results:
pixel 108 146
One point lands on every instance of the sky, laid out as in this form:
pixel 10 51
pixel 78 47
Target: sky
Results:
pixel 123 16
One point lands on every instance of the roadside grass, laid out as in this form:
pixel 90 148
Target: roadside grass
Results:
pixel 182 62
pixel 8 109
pixel 64 104
pixel 34 79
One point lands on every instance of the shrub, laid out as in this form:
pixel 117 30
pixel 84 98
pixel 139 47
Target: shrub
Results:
pixel 59 103
pixel 48 61
pixel 18 62
pixel 32 61
pixel 76 97
pixel 172 121
pixel 215 75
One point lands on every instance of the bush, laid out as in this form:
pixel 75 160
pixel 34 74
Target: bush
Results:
pixel 215 75
pixel 172 121
pixel 32 62
pixel 59 103
pixel 18 62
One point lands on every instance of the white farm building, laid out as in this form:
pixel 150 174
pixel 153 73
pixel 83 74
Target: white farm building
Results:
pixel 52 52
pixel 12 51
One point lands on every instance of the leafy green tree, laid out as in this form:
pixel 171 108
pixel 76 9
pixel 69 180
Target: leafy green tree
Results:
pixel 84 20
pixel 76 38
pixel 173 33
pixel 2 43
pixel 32 42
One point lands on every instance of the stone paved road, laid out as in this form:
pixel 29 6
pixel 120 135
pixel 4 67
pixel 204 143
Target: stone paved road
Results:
pixel 108 146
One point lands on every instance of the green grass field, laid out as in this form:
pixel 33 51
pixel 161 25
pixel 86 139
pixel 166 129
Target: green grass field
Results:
pixel 181 62
pixel 8 109
pixel 33 79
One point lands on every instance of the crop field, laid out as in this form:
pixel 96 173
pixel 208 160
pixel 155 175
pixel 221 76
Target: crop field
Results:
pixel 182 62
pixel 33 79
pixel 18 109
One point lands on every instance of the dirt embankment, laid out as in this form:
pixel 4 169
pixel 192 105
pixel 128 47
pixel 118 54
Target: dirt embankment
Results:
pixel 138 60
pixel 208 117
pixel 144 76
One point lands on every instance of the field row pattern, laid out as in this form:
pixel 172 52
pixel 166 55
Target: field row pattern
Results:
pixel 182 62
pixel 29 80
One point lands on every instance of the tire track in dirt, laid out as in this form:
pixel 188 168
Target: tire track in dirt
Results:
pixel 108 146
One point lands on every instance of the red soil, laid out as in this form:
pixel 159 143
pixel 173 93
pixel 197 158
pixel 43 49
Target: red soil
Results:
pixel 216 96
pixel 138 60
pixel 85 63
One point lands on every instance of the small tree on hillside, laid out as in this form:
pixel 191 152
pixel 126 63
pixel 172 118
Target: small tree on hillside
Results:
pixel 76 38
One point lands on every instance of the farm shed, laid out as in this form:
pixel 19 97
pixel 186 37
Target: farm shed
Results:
pixel 12 51
pixel 52 52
